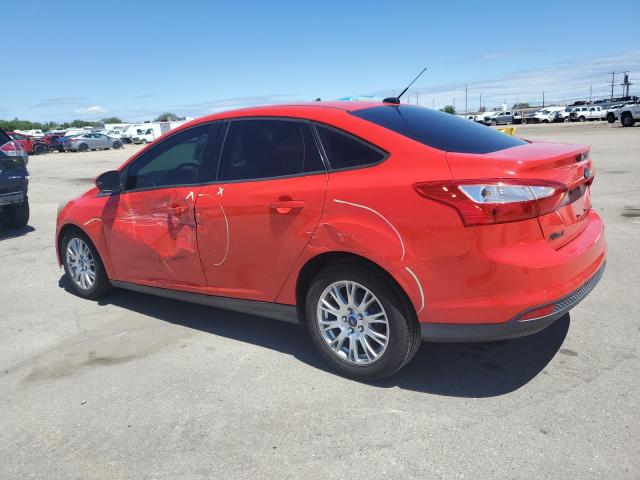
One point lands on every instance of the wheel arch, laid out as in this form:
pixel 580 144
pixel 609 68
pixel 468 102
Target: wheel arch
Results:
pixel 95 238
pixel 323 260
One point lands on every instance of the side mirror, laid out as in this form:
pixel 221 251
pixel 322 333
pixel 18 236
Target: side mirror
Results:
pixel 109 182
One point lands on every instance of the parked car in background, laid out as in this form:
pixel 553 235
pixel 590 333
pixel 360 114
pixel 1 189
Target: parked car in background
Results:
pixel 91 141
pixel 629 115
pixel 499 118
pixel 546 115
pixel 30 144
pixel 54 141
pixel 613 112
pixel 113 133
pixel 317 213
pixel 584 113
pixel 146 136
pixel 14 182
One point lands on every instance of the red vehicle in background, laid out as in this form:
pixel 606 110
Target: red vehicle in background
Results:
pixel 31 145
pixel 375 225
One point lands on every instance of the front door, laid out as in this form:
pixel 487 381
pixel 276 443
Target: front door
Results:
pixel 150 228
pixel 254 222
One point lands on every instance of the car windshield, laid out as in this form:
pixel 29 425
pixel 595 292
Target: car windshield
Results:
pixel 438 129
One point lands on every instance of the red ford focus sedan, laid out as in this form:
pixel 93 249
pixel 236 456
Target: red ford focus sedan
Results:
pixel 375 225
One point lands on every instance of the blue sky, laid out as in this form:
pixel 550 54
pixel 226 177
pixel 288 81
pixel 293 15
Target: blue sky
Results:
pixel 137 59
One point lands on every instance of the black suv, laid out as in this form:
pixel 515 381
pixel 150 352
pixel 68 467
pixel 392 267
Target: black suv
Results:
pixel 14 181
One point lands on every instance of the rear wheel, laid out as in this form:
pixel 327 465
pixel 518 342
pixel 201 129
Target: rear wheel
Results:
pixel 83 147
pixel 627 120
pixel 582 118
pixel 39 149
pixel 359 321
pixel 83 266
pixel 17 216
pixel 117 145
pixel 144 141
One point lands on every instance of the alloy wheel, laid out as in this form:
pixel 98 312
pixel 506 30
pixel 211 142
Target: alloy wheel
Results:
pixel 81 264
pixel 353 323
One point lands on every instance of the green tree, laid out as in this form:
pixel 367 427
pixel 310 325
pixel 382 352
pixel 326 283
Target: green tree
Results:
pixel 449 109
pixel 166 117
pixel 521 105
pixel 112 120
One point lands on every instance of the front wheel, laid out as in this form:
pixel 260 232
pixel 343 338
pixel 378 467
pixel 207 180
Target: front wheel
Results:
pixel 611 118
pixel 83 147
pixel 582 118
pixel 359 322
pixel 117 145
pixel 83 266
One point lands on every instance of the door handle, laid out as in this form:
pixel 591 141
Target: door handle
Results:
pixel 285 206
pixel 176 209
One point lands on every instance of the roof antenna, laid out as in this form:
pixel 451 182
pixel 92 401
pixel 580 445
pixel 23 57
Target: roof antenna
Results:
pixel 396 100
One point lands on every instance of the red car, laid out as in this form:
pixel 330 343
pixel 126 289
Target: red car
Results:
pixel 30 144
pixel 375 225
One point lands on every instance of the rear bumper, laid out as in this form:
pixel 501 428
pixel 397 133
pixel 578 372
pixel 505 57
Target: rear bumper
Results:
pixel 12 198
pixel 514 328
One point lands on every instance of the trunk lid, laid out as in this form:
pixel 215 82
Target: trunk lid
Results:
pixel 565 164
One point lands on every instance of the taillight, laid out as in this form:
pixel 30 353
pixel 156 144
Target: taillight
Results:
pixel 487 202
pixel 12 149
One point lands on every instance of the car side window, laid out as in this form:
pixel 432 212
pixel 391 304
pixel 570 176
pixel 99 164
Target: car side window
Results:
pixel 345 151
pixel 174 161
pixel 255 149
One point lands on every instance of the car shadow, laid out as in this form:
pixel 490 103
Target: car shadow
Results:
pixel 6 232
pixel 449 369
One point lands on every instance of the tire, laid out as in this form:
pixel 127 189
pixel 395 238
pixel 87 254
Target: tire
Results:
pixel 143 141
pixel 17 216
pixel 388 305
pixel 627 120
pixel 611 118
pixel 116 145
pixel 493 123
pixel 566 120
pixel 39 149
pixel 79 281
pixel 581 118
pixel 83 147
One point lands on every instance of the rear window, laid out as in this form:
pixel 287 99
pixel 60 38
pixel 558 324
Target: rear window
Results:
pixel 438 129
pixel 4 138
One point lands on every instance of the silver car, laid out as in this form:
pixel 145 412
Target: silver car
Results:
pixel 91 141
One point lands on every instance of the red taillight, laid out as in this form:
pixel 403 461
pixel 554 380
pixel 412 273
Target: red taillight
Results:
pixel 12 149
pixel 491 201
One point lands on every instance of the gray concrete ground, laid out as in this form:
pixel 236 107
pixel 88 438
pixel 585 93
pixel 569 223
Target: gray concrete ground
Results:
pixel 142 387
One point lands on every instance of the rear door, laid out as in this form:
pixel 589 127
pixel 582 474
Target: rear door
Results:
pixel 256 219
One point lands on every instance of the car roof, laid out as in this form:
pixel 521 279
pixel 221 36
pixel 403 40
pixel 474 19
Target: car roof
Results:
pixel 345 106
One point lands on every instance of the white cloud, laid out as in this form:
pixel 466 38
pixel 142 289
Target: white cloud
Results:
pixel 90 110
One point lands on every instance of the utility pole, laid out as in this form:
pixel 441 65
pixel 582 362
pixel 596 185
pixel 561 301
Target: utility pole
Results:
pixel 417 98
pixel 466 111
pixel 613 81
pixel 590 90
pixel 480 109
pixel 625 84
pixel 542 99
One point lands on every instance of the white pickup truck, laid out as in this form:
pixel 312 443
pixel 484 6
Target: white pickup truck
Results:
pixel 588 112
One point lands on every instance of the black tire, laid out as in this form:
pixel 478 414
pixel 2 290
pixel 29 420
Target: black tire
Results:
pixel 101 284
pixel 17 216
pixel 567 120
pixel 61 149
pixel 627 120
pixel 582 118
pixel 611 118
pixel 117 145
pixel 143 141
pixel 493 123
pixel 83 147
pixel 39 149
pixel 404 333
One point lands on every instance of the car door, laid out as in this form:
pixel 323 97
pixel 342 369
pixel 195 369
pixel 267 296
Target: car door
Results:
pixel 102 141
pixel 256 219
pixel 150 227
